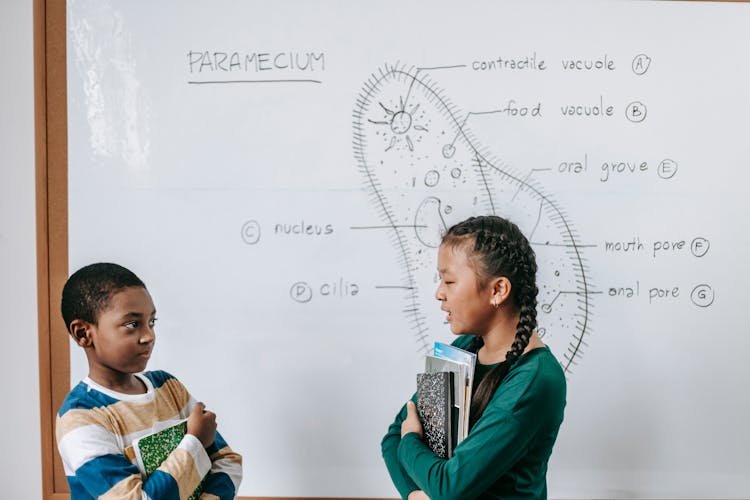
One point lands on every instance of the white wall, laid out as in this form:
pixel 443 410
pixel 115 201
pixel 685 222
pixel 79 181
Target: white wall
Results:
pixel 20 470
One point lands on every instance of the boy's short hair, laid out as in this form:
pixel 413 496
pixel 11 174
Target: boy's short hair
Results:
pixel 88 291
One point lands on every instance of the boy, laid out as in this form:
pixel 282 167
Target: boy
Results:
pixel 110 314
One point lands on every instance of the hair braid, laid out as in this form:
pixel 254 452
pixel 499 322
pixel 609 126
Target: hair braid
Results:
pixel 500 249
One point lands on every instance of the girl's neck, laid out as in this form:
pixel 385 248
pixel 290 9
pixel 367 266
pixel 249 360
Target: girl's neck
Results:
pixel 499 340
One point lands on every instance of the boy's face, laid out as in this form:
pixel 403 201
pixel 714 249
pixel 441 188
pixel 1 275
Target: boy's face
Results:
pixel 121 341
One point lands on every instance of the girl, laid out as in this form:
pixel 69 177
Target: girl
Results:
pixel 488 290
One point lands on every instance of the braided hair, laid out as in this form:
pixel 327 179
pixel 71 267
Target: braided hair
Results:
pixel 499 249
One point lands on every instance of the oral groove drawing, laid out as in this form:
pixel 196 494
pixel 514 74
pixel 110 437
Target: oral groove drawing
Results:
pixel 424 169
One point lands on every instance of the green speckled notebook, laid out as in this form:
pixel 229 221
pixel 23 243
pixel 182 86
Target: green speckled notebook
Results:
pixel 152 450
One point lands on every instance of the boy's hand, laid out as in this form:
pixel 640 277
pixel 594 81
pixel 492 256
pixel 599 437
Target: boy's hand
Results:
pixel 412 423
pixel 418 495
pixel 202 424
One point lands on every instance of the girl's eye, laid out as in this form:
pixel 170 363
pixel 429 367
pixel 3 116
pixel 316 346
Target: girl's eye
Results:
pixel 152 322
pixel 131 325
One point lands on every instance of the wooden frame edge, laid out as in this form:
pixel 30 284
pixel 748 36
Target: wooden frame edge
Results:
pixel 42 248
pixel 50 129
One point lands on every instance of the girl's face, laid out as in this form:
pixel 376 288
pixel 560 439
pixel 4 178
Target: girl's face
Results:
pixel 467 302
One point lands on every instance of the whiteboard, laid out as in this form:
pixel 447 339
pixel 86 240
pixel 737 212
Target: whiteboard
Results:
pixel 279 174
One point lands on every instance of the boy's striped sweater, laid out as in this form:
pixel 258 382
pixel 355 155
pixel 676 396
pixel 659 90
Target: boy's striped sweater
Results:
pixel 95 431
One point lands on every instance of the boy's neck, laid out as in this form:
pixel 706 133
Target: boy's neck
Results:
pixel 124 384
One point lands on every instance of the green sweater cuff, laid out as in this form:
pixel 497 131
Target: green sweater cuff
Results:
pixel 400 478
pixel 410 451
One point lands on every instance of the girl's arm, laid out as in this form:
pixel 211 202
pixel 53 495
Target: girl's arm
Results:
pixel 526 405
pixel 492 447
pixel 389 446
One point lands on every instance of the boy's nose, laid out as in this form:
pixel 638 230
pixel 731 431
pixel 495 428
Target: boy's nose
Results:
pixel 439 293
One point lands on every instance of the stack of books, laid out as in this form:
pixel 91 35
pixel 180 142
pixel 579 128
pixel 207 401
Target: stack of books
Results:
pixel 444 397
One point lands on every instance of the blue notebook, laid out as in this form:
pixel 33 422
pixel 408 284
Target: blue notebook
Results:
pixel 452 353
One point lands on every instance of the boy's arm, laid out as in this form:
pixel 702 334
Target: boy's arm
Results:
pixel 95 466
pixel 225 475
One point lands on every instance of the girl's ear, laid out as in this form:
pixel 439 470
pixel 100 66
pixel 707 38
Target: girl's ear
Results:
pixel 500 290
pixel 80 330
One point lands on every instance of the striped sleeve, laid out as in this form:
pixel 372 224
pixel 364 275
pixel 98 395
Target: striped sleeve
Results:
pixel 93 430
pixel 183 469
pixel 95 467
pixel 225 475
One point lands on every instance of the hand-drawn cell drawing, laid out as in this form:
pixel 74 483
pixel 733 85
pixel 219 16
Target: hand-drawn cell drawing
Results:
pixel 424 170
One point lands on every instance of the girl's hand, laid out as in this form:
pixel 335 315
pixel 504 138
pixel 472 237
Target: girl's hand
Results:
pixel 412 423
pixel 418 495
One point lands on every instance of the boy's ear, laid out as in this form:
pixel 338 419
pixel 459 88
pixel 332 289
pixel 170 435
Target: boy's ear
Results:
pixel 80 330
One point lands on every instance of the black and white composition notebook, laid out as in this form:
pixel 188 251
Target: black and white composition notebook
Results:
pixel 435 407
